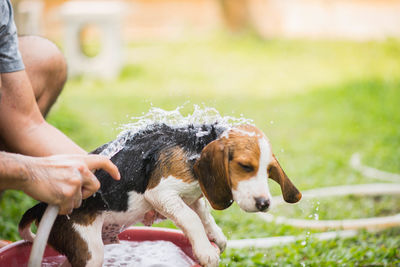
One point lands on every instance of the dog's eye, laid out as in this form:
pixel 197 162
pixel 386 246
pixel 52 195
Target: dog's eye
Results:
pixel 269 169
pixel 246 167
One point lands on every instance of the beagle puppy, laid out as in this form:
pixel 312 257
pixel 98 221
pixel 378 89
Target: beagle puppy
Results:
pixel 165 172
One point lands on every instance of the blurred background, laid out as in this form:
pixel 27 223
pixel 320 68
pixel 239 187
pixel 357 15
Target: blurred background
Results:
pixel 170 19
pixel 320 77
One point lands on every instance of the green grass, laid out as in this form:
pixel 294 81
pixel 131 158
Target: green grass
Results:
pixel 350 207
pixel 365 250
pixel 317 101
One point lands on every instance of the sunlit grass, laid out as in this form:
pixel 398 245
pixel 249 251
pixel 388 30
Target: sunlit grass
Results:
pixel 340 208
pixel 317 101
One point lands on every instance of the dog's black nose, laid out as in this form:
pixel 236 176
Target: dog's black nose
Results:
pixel 262 203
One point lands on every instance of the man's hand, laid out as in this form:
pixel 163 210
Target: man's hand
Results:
pixel 62 180
pixel 25 96
pixel 65 180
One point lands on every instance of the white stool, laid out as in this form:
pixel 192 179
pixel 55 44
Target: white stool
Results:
pixel 106 16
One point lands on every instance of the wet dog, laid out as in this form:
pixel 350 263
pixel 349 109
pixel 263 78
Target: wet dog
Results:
pixel 165 172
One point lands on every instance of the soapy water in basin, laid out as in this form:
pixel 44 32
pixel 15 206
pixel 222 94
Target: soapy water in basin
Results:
pixel 146 254
pixel 173 118
pixel 137 254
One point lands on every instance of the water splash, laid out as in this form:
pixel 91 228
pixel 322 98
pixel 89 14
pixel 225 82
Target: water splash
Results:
pixel 306 239
pixel 173 118
pixel 316 215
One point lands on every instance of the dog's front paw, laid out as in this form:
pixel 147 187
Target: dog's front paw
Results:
pixel 207 256
pixel 218 237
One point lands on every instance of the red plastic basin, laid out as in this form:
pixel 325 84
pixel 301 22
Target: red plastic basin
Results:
pixel 17 254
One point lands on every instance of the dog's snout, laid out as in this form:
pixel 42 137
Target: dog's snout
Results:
pixel 262 203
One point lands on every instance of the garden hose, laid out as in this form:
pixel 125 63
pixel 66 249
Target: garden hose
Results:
pixel 43 232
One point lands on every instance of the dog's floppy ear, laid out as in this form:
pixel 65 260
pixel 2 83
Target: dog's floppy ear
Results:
pixel 212 170
pixel 290 193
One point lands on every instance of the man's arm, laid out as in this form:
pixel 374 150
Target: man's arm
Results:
pixel 55 180
pixel 22 126
pixel 61 180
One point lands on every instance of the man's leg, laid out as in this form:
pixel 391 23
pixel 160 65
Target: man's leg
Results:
pixel 46 69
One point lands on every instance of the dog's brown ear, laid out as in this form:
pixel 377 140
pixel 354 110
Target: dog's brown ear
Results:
pixel 212 170
pixel 290 193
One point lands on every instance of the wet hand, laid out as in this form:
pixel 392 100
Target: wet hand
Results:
pixel 65 180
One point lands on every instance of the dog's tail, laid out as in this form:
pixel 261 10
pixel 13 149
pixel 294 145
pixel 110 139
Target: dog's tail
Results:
pixel 33 214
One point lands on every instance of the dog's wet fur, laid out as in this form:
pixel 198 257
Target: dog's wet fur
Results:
pixel 136 161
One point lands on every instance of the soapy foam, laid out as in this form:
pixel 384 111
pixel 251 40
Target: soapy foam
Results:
pixel 53 261
pixel 173 118
pixel 145 254
pixel 137 254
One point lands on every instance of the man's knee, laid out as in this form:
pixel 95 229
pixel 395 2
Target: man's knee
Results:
pixel 46 69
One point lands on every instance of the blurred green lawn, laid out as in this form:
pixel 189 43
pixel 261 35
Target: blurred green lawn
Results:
pixel 317 101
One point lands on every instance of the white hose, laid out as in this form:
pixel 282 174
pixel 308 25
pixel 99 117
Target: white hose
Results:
pixel 346 224
pixel 269 242
pixel 43 232
pixel 360 190
pixel 355 163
